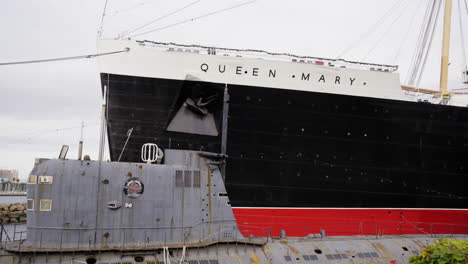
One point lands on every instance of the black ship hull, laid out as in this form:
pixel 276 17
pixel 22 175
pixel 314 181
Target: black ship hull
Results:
pixel 297 149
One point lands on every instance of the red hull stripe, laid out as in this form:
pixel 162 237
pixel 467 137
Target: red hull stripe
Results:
pixel 347 222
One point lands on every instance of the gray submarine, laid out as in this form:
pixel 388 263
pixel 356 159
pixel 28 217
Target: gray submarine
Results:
pixel 167 210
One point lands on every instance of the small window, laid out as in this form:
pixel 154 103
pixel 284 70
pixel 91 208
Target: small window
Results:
pixel 30 204
pixel 46 179
pixel 179 179
pixel 45 205
pixel 32 179
pixel 187 179
pixel 196 179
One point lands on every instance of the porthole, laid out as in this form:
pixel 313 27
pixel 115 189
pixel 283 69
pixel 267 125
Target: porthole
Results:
pixel 91 260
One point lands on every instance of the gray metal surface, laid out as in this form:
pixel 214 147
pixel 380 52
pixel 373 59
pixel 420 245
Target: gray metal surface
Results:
pixel 184 202
pixel 101 214
pixel 365 250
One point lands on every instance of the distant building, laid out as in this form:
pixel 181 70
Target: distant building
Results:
pixel 8 175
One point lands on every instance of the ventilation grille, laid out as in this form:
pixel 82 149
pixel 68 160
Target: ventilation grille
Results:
pixel 186 178
pixel 310 257
pixel 196 179
pixel 336 256
pixel 368 255
pixel 204 261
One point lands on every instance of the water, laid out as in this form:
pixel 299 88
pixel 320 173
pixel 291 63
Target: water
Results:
pixel 12 199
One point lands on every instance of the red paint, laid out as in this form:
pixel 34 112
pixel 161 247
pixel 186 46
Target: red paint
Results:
pixel 347 222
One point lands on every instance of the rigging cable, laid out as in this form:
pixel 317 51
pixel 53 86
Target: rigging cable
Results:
pixel 195 18
pixel 102 20
pixel 90 56
pixel 405 37
pixel 430 38
pixel 466 6
pixel 386 32
pixel 424 43
pixel 461 32
pixel 419 41
pixel 129 8
pixel 158 19
pixel 371 30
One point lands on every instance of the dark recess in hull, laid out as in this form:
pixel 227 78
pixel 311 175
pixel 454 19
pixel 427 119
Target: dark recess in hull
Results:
pixel 303 149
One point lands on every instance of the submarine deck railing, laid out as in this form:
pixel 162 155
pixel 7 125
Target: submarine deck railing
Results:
pixel 13 238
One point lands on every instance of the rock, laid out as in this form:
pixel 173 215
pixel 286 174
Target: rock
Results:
pixel 12 207
pixel 20 207
pixel 3 213
pixel 16 207
pixel 22 219
pixel 14 220
pixel 14 214
pixel 4 219
pixel 4 207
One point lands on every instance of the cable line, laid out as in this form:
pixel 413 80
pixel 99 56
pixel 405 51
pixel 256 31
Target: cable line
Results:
pixel 423 47
pixel 159 19
pixel 127 9
pixel 195 18
pixel 372 29
pixel 386 31
pixel 463 47
pixel 102 21
pixel 405 37
pixel 90 56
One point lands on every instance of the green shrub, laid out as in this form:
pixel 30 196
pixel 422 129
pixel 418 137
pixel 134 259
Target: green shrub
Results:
pixel 443 251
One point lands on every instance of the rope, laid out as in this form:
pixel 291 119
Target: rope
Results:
pixel 388 29
pixel 419 60
pixel 158 19
pixel 430 38
pixel 466 7
pixel 195 18
pixel 127 9
pixel 371 30
pixel 405 37
pixel 461 32
pixel 419 41
pixel 417 228
pixel 90 56
pixel 102 20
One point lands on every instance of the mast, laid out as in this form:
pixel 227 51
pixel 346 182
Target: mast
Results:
pixel 445 49
pixel 80 145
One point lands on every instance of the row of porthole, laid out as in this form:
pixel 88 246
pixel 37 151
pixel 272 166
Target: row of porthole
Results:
pixel 353 107
pixel 288 258
pixel 334 157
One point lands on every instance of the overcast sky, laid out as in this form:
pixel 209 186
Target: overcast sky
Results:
pixel 42 105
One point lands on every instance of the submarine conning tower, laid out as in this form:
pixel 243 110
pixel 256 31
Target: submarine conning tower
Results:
pixel 84 204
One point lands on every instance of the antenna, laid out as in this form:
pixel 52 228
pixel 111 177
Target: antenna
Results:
pixel 129 133
pixel 80 146
pixel 99 34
